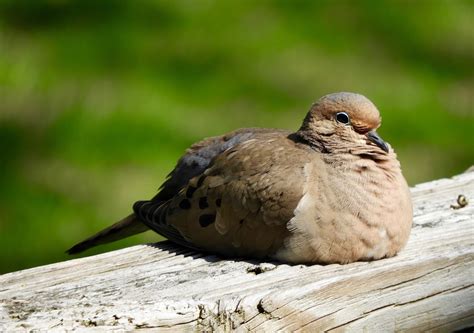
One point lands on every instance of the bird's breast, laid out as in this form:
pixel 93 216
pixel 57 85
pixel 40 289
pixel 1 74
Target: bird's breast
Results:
pixel 348 212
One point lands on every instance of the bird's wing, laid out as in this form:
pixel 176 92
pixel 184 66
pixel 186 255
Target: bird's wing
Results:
pixel 198 157
pixel 238 201
pixel 193 163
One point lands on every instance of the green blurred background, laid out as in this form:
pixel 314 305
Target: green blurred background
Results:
pixel 98 99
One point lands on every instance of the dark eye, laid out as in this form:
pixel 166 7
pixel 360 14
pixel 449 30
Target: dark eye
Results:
pixel 342 117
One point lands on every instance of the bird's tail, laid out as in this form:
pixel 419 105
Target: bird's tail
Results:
pixel 124 228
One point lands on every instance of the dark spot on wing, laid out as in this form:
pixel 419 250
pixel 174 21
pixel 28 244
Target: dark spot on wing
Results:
pixel 185 204
pixel 206 219
pixel 203 203
pixel 201 180
pixel 218 202
pixel 190 191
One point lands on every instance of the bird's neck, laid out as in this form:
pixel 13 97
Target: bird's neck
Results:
pixel 366 163
pixel 350 154
pixel 315 142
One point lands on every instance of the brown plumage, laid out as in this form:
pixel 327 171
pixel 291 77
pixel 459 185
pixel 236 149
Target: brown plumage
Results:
pixel 331 192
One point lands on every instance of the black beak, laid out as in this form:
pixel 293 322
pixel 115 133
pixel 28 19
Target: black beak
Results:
pixel 375 138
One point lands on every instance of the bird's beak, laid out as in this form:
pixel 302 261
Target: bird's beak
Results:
pixel 375 138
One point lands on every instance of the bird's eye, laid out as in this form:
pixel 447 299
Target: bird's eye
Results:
pixel 342 117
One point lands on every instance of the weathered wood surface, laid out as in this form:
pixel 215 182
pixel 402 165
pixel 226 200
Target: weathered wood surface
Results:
pixel 429 286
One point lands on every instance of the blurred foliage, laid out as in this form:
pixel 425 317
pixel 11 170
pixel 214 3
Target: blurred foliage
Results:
pixel 100 98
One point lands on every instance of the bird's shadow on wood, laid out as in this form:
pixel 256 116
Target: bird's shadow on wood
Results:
pixel 176 249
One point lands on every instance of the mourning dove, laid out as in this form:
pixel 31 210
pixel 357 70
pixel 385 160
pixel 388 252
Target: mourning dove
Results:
pixel 331 192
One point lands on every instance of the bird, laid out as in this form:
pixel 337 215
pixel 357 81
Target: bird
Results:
pixel 331 192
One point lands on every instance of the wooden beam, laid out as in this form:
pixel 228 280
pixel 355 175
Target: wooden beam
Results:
pixel 429 286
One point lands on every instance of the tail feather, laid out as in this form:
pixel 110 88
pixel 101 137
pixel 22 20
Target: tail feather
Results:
pixel 124 228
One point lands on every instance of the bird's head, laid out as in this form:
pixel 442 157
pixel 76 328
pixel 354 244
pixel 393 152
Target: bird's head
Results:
pixel 344 122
